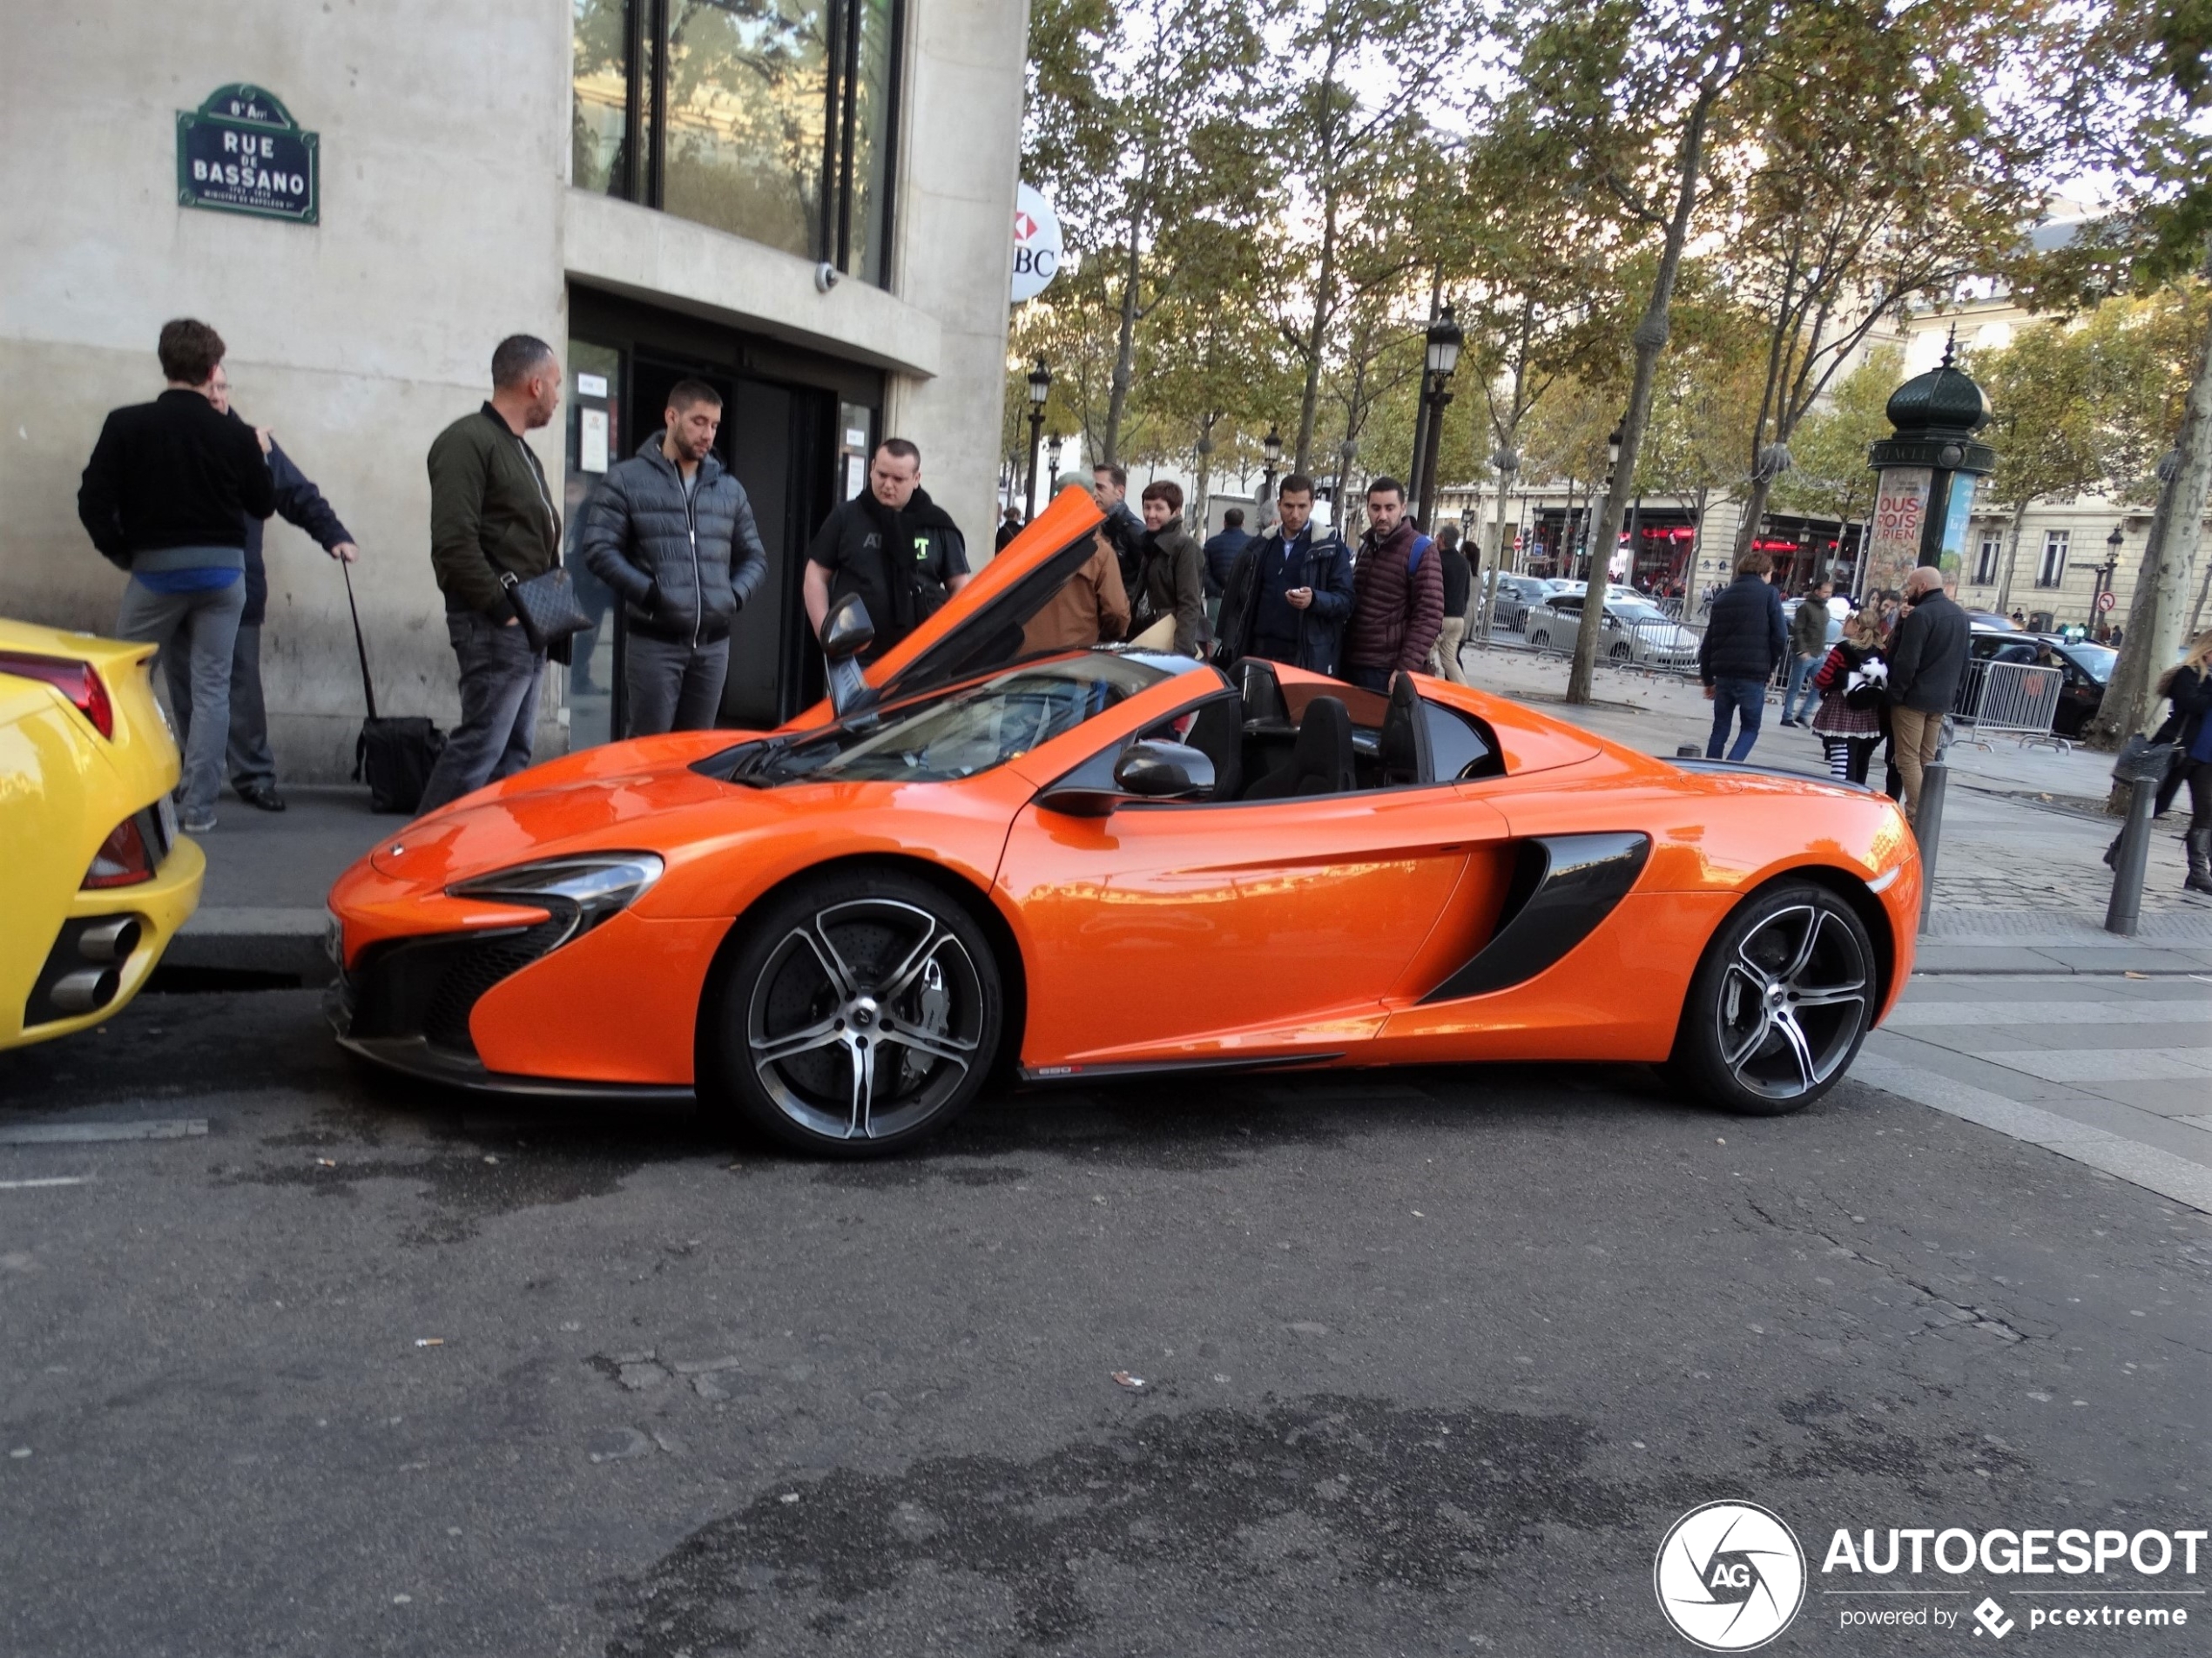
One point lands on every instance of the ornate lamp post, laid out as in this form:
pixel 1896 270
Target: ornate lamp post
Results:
pixel 1924 493
pixel 1445 338
pixel 1039 389
pixel 1052 446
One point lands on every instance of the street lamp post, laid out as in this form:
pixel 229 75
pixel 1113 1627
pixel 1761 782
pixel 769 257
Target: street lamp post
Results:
pixel 1052 446
pixel 1263 510
pixel 1444 340
pixel 2106 572
pixel 1039 389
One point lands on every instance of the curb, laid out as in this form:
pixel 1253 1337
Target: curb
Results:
pixel 240 939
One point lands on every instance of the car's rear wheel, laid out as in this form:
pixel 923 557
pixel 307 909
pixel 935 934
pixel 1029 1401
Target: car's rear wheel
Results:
pixel 860 1016
pixel 1779 1004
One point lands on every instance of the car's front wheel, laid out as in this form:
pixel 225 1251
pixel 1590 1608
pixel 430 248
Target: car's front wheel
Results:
pixel 860 1015
pixel 1779 1004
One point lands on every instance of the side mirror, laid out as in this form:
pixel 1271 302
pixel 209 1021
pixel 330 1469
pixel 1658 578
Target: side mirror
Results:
pixel 846 630
pixel 1142 772
pixel 1162 771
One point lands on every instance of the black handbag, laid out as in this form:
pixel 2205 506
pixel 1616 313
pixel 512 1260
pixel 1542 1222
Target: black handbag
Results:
pixel 395 757
pixel 546 606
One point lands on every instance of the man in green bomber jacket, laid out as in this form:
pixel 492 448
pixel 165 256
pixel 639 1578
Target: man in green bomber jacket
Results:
pixel 492 517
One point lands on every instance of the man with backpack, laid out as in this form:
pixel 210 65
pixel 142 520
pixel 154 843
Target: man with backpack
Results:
pixel 891 545
pixel 671 531
pixel 1398 594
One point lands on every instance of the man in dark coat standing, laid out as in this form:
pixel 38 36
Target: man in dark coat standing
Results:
pixel 1222 553
pixel 1398 594
pixel 1290 593
pixel 892 545
pixel 1927 660
pixel 165 496
pixel 253 763
pixel 671 531
pixel 1744 642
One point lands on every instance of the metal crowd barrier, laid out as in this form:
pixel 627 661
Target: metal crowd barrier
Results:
pixel 2015 699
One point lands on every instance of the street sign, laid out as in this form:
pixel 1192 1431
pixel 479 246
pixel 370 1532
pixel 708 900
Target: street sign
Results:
pixel 241 152
pixel 2106 599
pixel 1036 244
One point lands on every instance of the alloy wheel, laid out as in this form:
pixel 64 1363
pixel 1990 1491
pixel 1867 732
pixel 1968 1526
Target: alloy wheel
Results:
pixel 1793 1001
pixel 865 1019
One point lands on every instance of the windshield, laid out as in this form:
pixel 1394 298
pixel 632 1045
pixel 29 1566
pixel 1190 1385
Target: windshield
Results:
pixel 2095 660
pixel 953 734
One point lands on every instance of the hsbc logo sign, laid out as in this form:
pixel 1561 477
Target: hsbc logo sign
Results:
pixel 1036 244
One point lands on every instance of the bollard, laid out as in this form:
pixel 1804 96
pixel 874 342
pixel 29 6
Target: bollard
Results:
pixel 1928 826
pixel 2141 766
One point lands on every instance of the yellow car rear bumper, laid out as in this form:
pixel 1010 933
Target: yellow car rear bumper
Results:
pixel 161 906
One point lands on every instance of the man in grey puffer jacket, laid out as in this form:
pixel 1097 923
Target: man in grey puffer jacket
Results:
pixel 672 532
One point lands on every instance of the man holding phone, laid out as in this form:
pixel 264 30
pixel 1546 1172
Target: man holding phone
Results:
pixel 1291 592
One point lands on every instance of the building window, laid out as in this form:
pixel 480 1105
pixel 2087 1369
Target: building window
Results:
pixel 2052 571
pixel 1985 560
pixel 771 119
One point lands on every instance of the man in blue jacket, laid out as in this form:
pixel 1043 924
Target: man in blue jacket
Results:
pixel 1290 593
pixel 253 763
pixel 1744 642
pixel 672 532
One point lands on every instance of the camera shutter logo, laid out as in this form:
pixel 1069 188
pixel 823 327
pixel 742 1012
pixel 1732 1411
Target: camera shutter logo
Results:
pixel 1730 1576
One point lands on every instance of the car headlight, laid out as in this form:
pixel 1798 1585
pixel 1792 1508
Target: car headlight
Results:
pixel 585 890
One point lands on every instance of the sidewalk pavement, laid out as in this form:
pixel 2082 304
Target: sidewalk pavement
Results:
pixel 261 909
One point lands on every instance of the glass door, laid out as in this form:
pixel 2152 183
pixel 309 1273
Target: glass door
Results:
pixel 594 429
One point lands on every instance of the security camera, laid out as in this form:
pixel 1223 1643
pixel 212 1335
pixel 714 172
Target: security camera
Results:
pixel 826 275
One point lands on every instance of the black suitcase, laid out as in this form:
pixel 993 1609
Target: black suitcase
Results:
pixel 393 756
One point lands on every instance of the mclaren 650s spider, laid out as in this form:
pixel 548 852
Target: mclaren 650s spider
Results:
pixel 978 860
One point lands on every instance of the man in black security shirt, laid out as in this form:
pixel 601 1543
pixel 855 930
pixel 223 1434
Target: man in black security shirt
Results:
pixel 893 546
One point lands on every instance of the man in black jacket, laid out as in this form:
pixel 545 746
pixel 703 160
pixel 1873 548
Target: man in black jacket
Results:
pixel 672 532
pixel 253 763
pixel 1459 588
pixel 1744 642
pixel 893 545
pixel 1927 660
pixel 165 496
pixel 1123 529
pixel 1291 592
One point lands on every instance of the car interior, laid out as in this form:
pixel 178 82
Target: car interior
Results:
pixel 1269 741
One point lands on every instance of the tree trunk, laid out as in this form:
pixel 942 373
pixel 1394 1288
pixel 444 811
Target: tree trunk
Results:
pixel 2184 530
pixel 1650 340
pixel 1317 337
pixel 1125 346
pixel 1747 528
pixel 1495 555
pixel 2132 674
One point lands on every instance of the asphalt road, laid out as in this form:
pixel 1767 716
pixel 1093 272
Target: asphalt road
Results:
pixel 1429 1363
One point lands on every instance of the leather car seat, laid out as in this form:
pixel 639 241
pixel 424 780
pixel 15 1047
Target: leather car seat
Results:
pixel 1320 760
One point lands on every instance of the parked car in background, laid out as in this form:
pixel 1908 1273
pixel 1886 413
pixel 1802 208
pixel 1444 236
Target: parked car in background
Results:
pixel 94 878
pixel 1517 596
pixel 1991 620
pixel 1838 611
pixel 2087 667
pixel 1637 632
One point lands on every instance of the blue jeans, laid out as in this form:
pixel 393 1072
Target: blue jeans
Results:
pixel 197 632
pixel 1800 693
pixel 1744 696
pixel 500 675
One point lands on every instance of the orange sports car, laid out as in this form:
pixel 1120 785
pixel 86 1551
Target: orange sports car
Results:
pixel 980 861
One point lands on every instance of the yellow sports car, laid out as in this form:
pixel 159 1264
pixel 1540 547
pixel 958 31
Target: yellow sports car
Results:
pixel 94 878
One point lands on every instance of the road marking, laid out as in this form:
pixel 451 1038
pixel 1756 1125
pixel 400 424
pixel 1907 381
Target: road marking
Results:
pixel 50 1180
pixel 79 1134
